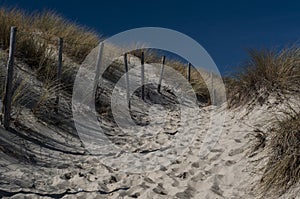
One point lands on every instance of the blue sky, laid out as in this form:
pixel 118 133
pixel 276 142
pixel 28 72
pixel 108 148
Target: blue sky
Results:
pixel 224 28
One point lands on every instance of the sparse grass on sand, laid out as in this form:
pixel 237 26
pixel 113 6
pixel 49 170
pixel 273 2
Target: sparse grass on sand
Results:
pixel 37 39
pixel 266 72
pixel 36 47
pixel 273 73
pixel 197 80
pixel 49 26
pixel 283 168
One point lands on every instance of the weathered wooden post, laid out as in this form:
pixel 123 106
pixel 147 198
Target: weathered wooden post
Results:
pixel 214 97
pixel 212 89
pixel 59 69
pixel 9 79
pixel 189 72
pixel 98 67
pixel 127 80
pixel 161 73
pixel 143 75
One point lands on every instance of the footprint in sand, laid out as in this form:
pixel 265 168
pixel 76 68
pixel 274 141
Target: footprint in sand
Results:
pixel 160 189
pixel 196 164
pixel 230 162
pixel 186 194
pixel 237 151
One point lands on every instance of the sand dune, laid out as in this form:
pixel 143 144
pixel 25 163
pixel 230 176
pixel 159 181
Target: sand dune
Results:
pixel 44 157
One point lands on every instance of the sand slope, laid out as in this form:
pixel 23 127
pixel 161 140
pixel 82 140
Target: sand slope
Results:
pixel 229 171
pixel 45 158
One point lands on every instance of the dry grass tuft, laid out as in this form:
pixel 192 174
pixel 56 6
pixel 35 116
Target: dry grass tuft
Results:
pixel 266 71
pixel 37 39
pixel 283 168
pixel 37 47
pixel 79 41
pixel 197 80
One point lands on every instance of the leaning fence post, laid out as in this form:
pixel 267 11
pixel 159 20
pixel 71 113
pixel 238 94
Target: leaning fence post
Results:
pixel 98 65
pixel 9 78
pixel 127 80
pixel 161 73
pixel 212 89
pixel 189 72
pixel 143 75
pixel 59 69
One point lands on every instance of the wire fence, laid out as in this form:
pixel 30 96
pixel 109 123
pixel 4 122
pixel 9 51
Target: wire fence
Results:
pixel 40 50
pixel 42 53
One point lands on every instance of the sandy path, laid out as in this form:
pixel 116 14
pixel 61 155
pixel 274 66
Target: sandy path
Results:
pixel 225 173
pixel 47 160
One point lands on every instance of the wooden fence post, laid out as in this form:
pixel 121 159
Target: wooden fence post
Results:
pixel 212 89
pixel 9 78
pixel 98 65
pixel 143 75
pixel 189 72
pixel 127 80
pixel 59 69
pixel 161 73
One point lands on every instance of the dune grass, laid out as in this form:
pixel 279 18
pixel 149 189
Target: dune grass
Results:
pixel 273 73
pixel 49 26
pixel 283 168
pixel 266 71
pixel 37 47
pixel 37 39
pixel 197 80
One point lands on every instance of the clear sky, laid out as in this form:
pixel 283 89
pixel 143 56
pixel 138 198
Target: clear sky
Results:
pixel 224 28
